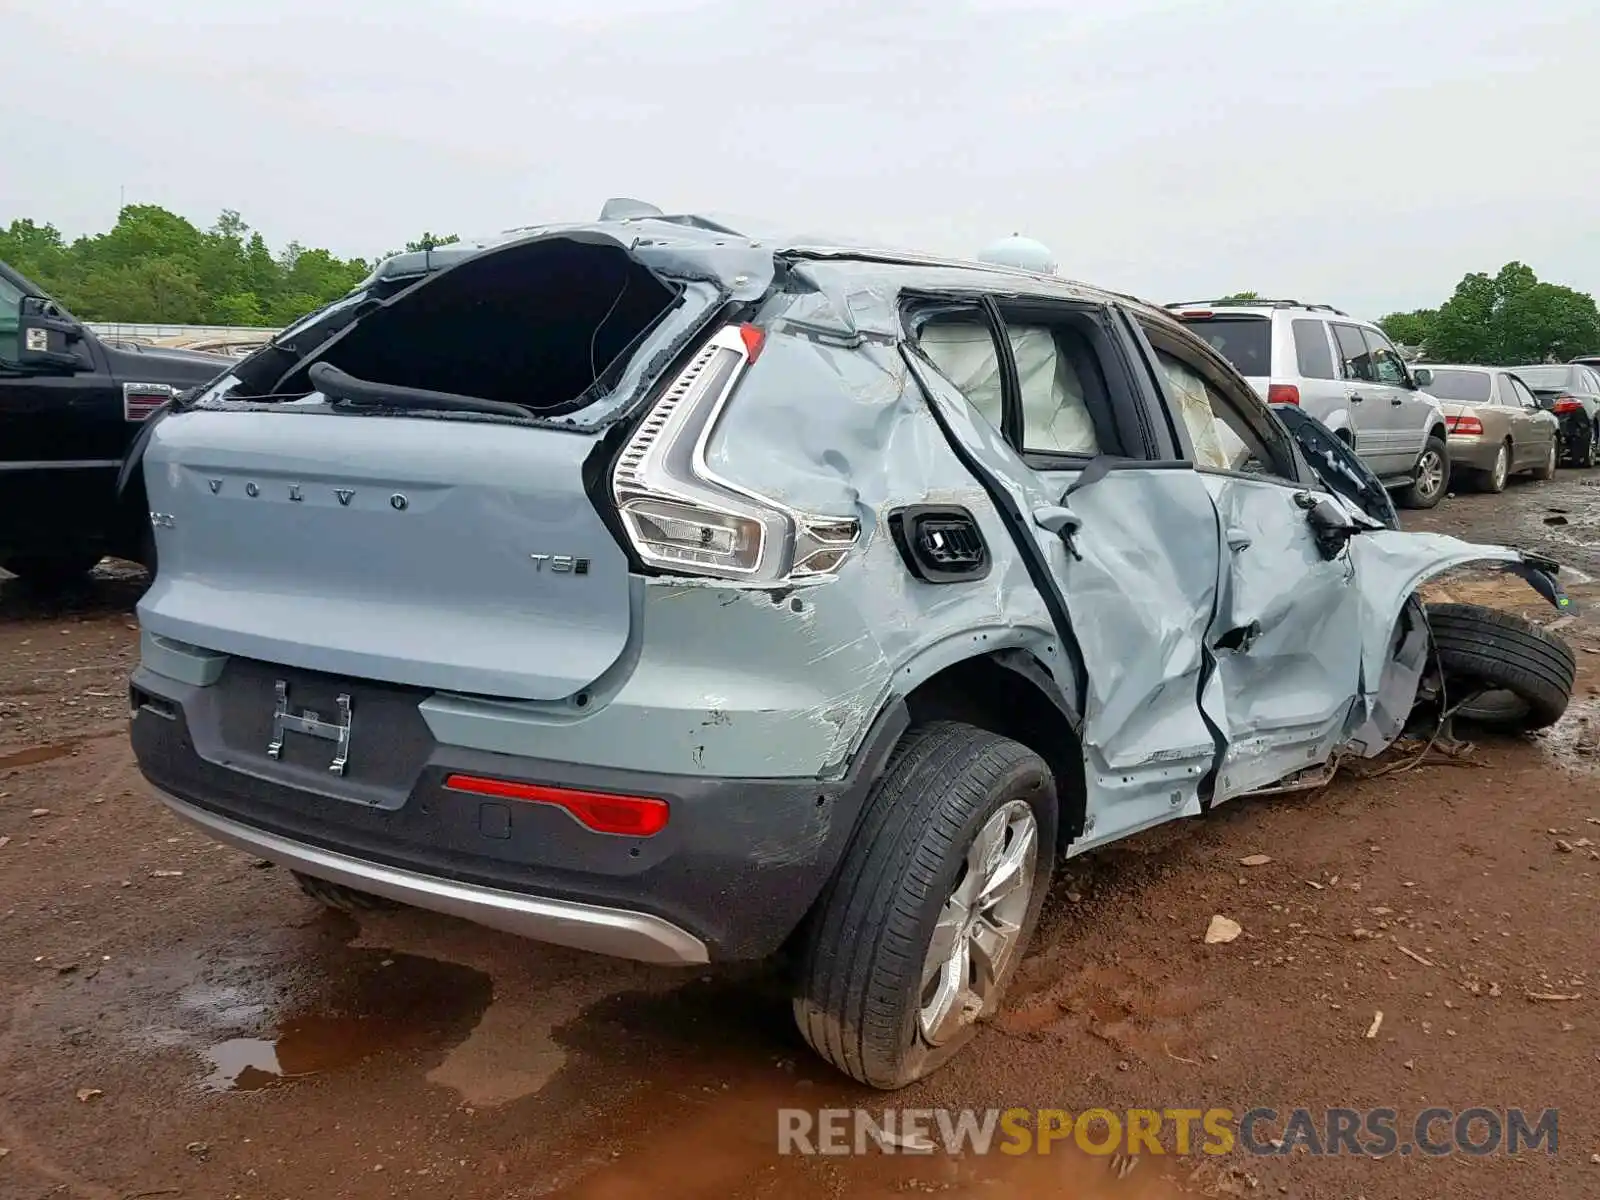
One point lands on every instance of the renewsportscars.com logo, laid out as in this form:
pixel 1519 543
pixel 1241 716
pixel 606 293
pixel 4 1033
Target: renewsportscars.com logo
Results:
pixel 1365 1133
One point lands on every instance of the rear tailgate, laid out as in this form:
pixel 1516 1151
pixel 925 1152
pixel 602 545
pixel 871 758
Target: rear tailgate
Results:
pixel 449 554
pixel 419 515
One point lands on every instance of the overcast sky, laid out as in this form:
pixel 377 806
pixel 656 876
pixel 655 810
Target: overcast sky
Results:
pixel 1351 153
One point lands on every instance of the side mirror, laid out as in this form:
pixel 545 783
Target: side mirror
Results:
pixel 1331 528
pixel 1423 377
pixel 45 335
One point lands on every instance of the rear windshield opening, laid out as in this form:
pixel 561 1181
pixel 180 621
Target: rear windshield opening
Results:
pixel 534 325
pixel 1246 342
pixel 1546 379
pixel 1469 387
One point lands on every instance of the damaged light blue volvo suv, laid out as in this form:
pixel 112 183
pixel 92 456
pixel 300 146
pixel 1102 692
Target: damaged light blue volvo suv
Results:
pixel 644 587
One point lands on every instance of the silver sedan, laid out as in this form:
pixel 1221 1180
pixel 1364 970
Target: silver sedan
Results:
pixel 1496 425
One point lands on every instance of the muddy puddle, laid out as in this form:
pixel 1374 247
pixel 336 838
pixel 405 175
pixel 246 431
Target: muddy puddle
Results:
pixel 1574 742
pixel 300 1046
pixel 280 1006
pixel 34 755
pixel 399 1004
pixel 707 1092
pixel 1573 530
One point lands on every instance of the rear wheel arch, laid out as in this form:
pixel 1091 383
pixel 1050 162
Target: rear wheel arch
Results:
pixel 1010 692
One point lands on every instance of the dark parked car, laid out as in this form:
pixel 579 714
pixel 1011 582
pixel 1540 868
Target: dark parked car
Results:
pixel 1572 392
pixel 70 404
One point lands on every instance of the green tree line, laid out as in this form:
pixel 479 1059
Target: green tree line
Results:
pixel 154 266
pixel 1503 319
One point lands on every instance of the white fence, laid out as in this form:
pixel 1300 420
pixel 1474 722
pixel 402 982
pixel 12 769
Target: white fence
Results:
pixel 121 331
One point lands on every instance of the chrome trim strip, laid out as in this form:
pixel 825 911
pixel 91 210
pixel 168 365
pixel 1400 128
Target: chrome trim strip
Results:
pixel 60 464
pixel 613 931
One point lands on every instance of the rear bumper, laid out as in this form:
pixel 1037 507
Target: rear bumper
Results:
pixel 1577 430
pixel 1473 452
pixel 593 927
pixel 731 876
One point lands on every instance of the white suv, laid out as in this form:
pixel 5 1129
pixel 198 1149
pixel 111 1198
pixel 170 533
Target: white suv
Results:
pixel 1344 372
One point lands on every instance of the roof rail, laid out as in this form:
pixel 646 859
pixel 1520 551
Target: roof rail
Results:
pixel 1227 302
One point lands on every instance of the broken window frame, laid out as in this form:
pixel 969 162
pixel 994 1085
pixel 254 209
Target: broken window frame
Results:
pixel 1253 422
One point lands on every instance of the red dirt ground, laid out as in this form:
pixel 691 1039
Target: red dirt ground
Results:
pixel 176 1020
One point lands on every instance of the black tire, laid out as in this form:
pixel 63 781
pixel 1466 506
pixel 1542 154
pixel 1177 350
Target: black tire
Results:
pixel 1591 450
pixel 1494 479
pixel 1546 471
pixel 860 986
pixel 1529 672
pixel 338 896
pixel 1421 493
pixel 53 572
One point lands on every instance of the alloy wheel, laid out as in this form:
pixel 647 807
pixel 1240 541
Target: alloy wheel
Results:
pixel 980 925
pixel 1430 473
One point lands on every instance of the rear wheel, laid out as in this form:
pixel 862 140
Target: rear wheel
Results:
pixel 1591 450
pixel 1547 470
pixel 52 572
pixel 1522 674
pixel 1494 479
pixel 924 924
pixel 1432 478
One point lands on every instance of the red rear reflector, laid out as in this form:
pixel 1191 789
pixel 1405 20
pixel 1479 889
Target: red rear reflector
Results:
pixel 1469 426
pixel 753 340
pixel 1283 393
pixel 1565 404
pixel 633 816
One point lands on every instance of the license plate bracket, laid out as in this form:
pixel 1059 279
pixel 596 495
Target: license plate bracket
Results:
pixel 286 720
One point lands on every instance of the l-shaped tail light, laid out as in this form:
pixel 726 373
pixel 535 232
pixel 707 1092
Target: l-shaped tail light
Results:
pixel 603 812
pixel 683 517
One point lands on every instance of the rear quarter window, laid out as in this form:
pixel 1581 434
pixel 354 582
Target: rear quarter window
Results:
pixel 1312 355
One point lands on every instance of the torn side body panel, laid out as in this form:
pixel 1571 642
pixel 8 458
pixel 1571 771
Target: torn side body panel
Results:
pixel 1289 618
pixel 1133 561
pixel 847 433
pixel 1391 566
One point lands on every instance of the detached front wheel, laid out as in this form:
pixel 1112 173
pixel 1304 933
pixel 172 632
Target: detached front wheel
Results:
pixel 1519 676
pixel 922 929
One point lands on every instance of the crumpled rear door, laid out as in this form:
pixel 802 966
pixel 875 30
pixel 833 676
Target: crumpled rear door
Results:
pixel 1139 578
pixel 1287 637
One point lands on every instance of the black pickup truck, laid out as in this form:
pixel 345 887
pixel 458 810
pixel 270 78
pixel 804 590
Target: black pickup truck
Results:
pixel 70 406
